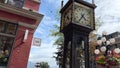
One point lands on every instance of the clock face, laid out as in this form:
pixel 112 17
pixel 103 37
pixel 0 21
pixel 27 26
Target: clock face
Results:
pixel 83 16
pixel 67 17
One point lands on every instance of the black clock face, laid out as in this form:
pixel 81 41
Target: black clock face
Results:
pixel 83 15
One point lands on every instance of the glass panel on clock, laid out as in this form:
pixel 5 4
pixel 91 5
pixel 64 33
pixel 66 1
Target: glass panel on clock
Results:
pixel 68 55
pixel 80 54
pixel 11 28
pixel 2 26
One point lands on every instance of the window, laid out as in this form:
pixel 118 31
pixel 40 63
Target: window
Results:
pixel 7 30
pixel 11 29
pixel 2 26
pixel 6 44
pixel 68 60
pixel 16 3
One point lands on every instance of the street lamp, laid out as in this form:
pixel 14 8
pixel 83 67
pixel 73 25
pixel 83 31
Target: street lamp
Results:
pixel 107 51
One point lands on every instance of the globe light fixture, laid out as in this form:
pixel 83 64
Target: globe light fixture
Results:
pixel 108 42
pixel 112 40
pixel 103 49
pixel 103 39
pixel 97 51
pixel 99 42
pixel 117 50
pixel 104 33
pixel 107 51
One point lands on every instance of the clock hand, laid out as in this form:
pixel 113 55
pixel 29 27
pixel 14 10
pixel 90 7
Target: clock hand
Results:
pixel 84 17
pixel 81 17
pixel 67 17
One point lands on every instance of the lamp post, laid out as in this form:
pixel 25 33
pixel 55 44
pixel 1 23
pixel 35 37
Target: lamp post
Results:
pixel 107 51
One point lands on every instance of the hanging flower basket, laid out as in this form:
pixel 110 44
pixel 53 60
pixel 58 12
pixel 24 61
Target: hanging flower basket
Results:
pixel 113 60
pixel 117 56
pixel 100 60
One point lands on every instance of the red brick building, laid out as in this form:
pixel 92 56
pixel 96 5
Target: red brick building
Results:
pixel 18 21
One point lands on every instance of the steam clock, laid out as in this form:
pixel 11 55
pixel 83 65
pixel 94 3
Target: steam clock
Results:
pixel 77 21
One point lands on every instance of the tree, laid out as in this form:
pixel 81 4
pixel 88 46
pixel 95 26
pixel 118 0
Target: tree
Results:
pixel 59 36
pixel 59 42
pixel 42 65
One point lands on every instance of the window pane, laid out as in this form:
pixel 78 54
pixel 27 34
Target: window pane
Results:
pixel 80 53
pixel 16 3
pixel 68 60
pixel 11 29
pixel 6 44
pixel 2 26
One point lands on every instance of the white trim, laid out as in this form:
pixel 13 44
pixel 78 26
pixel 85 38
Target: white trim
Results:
pixel 27 25
pixel 29 9
pixel 38 1
pixel 8 35
pixel 26 35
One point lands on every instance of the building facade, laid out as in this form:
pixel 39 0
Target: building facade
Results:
pixel 18 21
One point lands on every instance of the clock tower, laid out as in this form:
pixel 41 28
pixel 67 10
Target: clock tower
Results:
pixel 77 21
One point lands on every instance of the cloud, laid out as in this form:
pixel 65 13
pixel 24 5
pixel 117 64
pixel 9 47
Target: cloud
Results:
pixel 30 65
pixel 43 53
pixel 48 21
pixel 108 10
pixel 109 28
pixel 56 3
pixel 43 30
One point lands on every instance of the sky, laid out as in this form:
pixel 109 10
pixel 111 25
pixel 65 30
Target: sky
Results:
pixel 107 10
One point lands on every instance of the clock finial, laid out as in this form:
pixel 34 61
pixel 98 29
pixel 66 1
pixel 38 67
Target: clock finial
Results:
pixel 93 1
pixel 62 3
